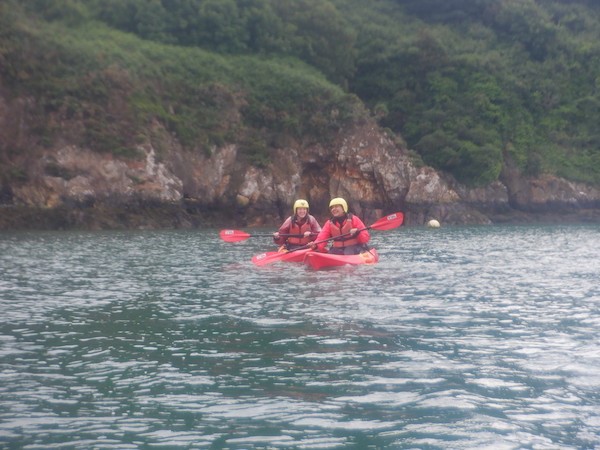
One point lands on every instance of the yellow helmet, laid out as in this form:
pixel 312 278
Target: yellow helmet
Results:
pixel 300 203
pixel 339 201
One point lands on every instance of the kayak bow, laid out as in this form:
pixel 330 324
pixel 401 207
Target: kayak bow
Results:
pixel 263 259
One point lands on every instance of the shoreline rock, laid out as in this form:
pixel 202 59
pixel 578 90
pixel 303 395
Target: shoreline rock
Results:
pixel 71 187
pixel 188 215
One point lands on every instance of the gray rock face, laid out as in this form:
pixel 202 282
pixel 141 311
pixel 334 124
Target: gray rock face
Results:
pixel 364 165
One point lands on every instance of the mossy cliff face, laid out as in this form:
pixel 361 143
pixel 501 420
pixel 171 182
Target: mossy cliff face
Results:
pixel 164 186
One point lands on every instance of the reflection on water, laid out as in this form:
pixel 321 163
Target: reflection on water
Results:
pixel 459 338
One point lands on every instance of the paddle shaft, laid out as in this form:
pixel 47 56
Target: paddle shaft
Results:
pixel 330 239
pixel 263 259
pixel 238 235
pixel 385 223
pixel 282 235
pixel 294 235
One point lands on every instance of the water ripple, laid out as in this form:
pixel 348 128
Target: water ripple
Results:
pixel 482 337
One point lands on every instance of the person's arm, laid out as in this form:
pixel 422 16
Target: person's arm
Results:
pixel 283 229
pixel 362 236
pixel 323 235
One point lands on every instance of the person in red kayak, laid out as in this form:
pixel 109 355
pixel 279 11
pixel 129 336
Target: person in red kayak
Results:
pixel 349 233
pixel 298 229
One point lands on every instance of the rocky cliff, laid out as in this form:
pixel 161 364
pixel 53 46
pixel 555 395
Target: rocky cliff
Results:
pixel 66 186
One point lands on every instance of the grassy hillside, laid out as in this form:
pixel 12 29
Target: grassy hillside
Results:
pixel 467 83
pixel 104 88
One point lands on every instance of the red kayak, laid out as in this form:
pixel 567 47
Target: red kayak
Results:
pixel 385 223
pixel 317 260
pixel 269 257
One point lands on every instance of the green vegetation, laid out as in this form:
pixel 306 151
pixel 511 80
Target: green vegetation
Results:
pixel 467 83
pixel 107 89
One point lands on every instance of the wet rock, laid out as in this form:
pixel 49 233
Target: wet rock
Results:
pixel 74 187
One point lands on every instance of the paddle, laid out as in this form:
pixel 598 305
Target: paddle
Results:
pixel 238 235
pixel 385 223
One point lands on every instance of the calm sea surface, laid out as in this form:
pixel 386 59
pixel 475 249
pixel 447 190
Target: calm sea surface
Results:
pixel 460 338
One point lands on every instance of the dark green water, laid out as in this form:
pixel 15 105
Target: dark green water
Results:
pixel 483 337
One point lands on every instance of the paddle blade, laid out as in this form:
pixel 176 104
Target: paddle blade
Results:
pixel 233 235
pixel 388 222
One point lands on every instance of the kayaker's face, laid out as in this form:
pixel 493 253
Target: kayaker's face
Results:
pixel 337 210
pixel 301 212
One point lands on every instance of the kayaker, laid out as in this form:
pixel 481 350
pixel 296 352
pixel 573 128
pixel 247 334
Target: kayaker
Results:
pixel 349 232
pixel 298 229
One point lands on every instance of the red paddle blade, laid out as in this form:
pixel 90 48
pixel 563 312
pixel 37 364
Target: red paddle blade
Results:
pixel 233 235
pixel 388 222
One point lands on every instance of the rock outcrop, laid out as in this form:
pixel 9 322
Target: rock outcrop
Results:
pixel 69 186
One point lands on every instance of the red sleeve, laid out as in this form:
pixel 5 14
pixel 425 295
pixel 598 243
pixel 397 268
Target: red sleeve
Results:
pixel 324 234
pixel 283 229
pixel 363 236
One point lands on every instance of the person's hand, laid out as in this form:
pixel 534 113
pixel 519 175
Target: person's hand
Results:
pixel 307 233
pixel 276 235
pixel 353 230
pixel 312 245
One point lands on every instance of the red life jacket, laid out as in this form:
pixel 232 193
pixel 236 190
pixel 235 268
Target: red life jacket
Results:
pixel 345 228
pixel 297 228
